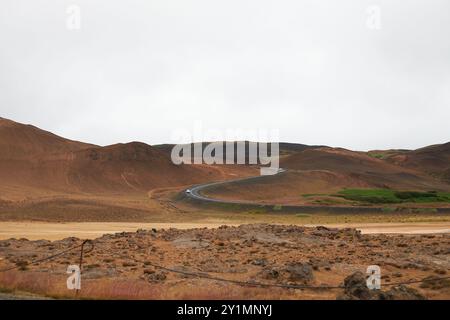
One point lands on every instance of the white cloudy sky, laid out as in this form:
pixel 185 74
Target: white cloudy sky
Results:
pixel 138 70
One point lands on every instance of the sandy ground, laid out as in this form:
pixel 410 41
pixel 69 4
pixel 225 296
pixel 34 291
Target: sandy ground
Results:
pixel 91 230
pixel 85 230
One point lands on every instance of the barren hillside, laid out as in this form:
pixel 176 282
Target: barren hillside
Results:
pixel 327 170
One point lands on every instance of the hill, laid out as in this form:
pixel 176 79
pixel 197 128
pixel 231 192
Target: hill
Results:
pixel 34 158
pixel 325 170
pixel 434 160
pixel 42 173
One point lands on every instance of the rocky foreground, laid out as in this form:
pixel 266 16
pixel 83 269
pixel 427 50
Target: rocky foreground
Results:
pixel 269 254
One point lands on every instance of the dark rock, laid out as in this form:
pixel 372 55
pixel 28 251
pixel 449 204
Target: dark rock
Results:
pixel 300 272
pixel 260 262
pixel 402 292
pixel 269 273
pixel 356 287
pixel 157 277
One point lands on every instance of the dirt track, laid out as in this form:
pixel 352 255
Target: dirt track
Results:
pixel 90 230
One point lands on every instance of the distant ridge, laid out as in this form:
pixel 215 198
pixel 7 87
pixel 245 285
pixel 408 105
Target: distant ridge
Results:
pixel 37 165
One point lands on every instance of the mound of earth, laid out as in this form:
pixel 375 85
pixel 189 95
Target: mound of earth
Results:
pixel 325 170
pixel 33 158
pixel 434 160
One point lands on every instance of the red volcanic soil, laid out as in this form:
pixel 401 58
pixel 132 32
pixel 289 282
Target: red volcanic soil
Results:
pixel 36 166
pixel 31 157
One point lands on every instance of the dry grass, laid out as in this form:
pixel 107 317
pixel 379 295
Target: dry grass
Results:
pixel 37 283
pixel 53 286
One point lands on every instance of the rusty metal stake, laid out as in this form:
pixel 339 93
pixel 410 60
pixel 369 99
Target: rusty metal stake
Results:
pixel 81 257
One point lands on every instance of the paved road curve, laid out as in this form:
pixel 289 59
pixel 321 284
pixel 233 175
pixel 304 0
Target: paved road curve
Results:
pixel 194 192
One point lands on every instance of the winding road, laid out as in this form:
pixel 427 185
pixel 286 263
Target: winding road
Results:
pixel 194 193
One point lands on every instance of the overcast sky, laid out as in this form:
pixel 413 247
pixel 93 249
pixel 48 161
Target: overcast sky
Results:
pixel 316 70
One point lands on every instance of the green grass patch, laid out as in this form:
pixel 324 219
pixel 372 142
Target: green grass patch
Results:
pixel 302 215
pixel 377 155
pixel 383 196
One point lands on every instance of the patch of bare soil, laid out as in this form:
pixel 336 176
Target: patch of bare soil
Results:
pixel 128 264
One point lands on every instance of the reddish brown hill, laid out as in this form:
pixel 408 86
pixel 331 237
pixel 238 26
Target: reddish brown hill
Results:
pixel 34 162
pixel 134 167
pixel 27 155
pixel 324 171
pixel 287 188
pixel 20 141
pixel 434 160
pixel 335 159
pixel 360 166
